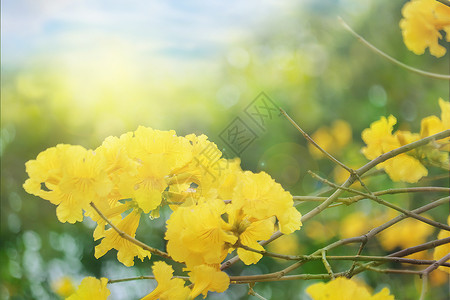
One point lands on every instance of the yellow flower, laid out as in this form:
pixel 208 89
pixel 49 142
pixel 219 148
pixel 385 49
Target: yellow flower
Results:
pixel 289 220
pixel 286 244
pixel 321 232
pixel 91 289
pixel 198 234
pixel 158 154
pixel 432 124
pixel 260 197
pixel 256 231
pixel 111 211
pixel 354 224
pixel 63 286
pixel 168 288
pixel 379 140
pixel 423 19
pixel 117 161
pixel 331 139
pixel 404 234
pixel 70 177
pixel 442 250
pixel 405 168
pixel 207 279
pixel 126 251
pixel 345 289
pixel 213 176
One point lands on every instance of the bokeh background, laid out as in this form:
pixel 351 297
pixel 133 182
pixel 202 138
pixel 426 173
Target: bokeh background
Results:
pixel 76 72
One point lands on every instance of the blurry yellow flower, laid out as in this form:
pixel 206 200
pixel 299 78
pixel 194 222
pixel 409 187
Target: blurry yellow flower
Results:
pixel 404 234
pixel 358 223
pixel 340 175
pixel 198 235
pixel 345 289
pixel 438 277
pixel 442 250
pixel 286 244
pixel 423 19
pixel 168 288
pixel 354 224
pixel 207 279
pixel 126 251
pixel 331 139
pixel 91 289
pixel 63 286
pixel 320 232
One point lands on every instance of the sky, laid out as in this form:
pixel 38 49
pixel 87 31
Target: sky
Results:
pixel 172 29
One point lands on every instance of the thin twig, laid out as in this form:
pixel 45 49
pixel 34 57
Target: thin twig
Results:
pixel 445 2
pixel 390 258
pixel 142 277
pixel 127 237
pixel 327 264
pixel 252 292
pixel 348 200
pixel 361 247
pixel 390 58
pixel 385 203
pixel 427 271
pixel 370 165
pixel 395 271
pixel 405 148
pixel 309 139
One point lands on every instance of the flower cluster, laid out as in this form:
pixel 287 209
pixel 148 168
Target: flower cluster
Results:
pixel 217 207
pixel 421 26
pixel 332 139
pixel 342 289
pixel 410 166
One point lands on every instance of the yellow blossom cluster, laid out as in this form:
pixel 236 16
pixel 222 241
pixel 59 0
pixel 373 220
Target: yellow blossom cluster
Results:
pixel 343 289
pixel 91 289
pixel 217 207
pixel 422 23
pixel 332 139
pixel 406 233
pixel 409 166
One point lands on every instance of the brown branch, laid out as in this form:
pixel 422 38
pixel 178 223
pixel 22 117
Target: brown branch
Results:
pixel 427 271
pixel 445 2
pixel 142 277
pixel 385 203
pixel 349 200
pixel 127 237
pixel 350 181
pixel 408 147
pixel 309 139
pixel 390 58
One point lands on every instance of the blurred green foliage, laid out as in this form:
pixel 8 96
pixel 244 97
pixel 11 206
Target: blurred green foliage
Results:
pixel 303 60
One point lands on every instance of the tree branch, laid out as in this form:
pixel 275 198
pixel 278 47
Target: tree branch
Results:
pixel 128 237
pixel 390 58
